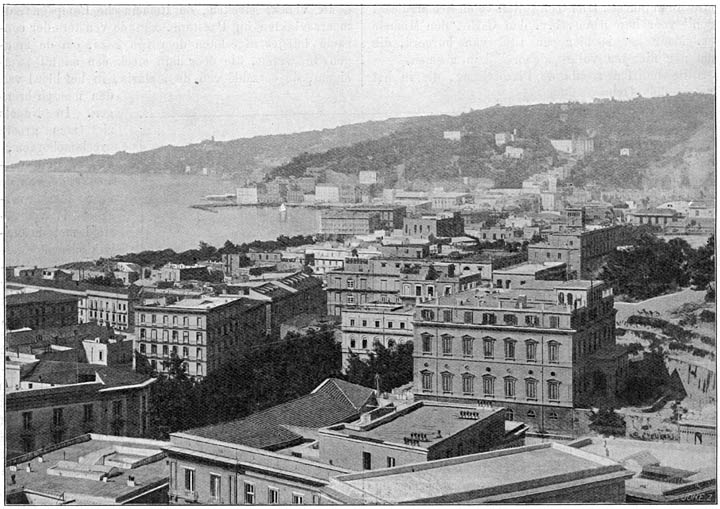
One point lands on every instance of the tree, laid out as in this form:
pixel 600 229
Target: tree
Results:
pixel 393 365
pixel 608 422
pixel 173 401
pixel 702 265
pixel 105 281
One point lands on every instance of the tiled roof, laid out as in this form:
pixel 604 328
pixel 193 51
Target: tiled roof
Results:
pixel 19 299
pixel 65 373
pixel 332 402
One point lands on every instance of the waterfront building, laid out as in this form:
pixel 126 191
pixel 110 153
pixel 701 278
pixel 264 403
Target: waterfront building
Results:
pixel 535 474
pixel 91 469
pixel 364 327
pixel 531 350
pixel 349 223
pixel 40 309
pixel 59 400
pixel 364 281
pixel 203 331
pixel 391 216
pixel 267 457
pixel 327 193
pixel 247 195
pixel 422 431
pixel 438 226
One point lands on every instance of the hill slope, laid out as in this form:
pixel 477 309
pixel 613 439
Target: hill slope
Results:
pixel 648 127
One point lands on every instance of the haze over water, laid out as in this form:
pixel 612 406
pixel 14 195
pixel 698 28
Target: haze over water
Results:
pixel 57 218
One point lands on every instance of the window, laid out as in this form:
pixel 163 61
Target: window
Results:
pixel 468 384
pixel 418 291
pixel 426 342
pixel 57 416
pixel 510 319
pixel 165 319
pixel 174 320
pixel 509 349
pixel 199 338
pixel 531 320
pixel 351 299
pixel 553 351
pixel 153 334
pixel 427 314
pixel 142 318
pixel 142 334
pixel 377 324
pixel 509 414
pixel 489 386
pixel 364 342
pixel 531 350
pixel 488 318
pixel 249 493
pixel 352 322
pixel 215 491
pixel 297 499
pixel 175 335
pixel 447 315
pixel 402 325
pixel 488 347
pixel 510 387
pixel 531 389
pixel 390 461
pixel 390 325
pixel 553 415
pixel 447 385
pixel 165 335
pixel 352 342
pixel 467 345
pixel 27 420
pixel 165 350
pixel 553 390
pixel 351 283
pixel 189 479
pixel 272 497
pixel 531 414
pixel 87 413
pixel 198 369
pixel 153 349
pixel 154 318
pixel 427 381
pixel 186 337
pixel 364 323
pixel 367 461
pixel 447 342
pixel 554 322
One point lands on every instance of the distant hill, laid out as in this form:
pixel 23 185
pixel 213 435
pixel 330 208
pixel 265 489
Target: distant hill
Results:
pixel 650 128
pixel 242 157
pixel 671 140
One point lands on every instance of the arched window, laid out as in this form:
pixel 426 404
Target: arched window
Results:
pixel 569 299
pixel 561 298
pixel 531 414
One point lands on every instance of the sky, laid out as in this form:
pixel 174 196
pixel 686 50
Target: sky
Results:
pixel 100 79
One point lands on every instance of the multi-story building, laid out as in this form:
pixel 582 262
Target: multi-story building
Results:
pixel 449 200
pixel 40 309
pixel 247 195
pixel 295 196
pixel 578 146
pixel 420 283
pixel 364 281
pixel 514 152
pixel 582 248
pixel 325 258
pixel 535 474
pixel 363 328
pixel 203 331
pixel 349 193
pixel 529 350
pixel 178 272
pixel 391 216
pixel 346 222
pixel 267 457
pixel 519 275
pixel 286 298
pixel 437 226
pixel 328 193
pixel 415 250
pixel 265 256
pixel 91 469
pixel 59 400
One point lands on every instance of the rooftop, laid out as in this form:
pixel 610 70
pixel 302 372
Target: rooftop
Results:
pixel 486 477
pixel 66 373
pixel 19 299
pixel 331 402
pixel 529 268
pixel 72 473
pixel 201 303
pixel 426 418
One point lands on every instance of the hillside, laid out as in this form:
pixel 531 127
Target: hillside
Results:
pixel 650 128
pixel 241 157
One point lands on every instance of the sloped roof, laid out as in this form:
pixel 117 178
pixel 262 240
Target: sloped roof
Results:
pixel 642 458
pixel 66 373
pixel 37 297
pixel 331 402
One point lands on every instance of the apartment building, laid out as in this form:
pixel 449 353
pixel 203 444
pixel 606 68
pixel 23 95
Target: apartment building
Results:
pixel 443 225
pixel 364 281
pixel 530 350
pixel 178 272
pixel 391 216
pixel 363 328
pixel 203 331
pixel 422 282
pixel 60 400
pixel 347 222
pixel 325 258
pixel 40 309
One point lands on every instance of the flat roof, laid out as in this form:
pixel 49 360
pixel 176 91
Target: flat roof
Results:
pixel 528 268
pixel 148 476
pixel 500 473
pixel 199 303
pixel 425 417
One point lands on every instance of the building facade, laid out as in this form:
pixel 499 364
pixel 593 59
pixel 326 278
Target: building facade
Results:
pixel 437 226
pixel 363 328
pixel 40 309
pixel 345 222
pixel 528 350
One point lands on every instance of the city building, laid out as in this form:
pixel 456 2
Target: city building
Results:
pixel 328 193
pixel 452 135
pixel 661 472
pixel 367 178
pixel 575 145
pixel 529 350
pixel 449 200
pixel 514 152
pixel 405 249
pixel 582 248
pixel 437 226
pixel 295 196
pixel 534 474
pixel 203 331
pixel 261 459
pixel 656 217
pixel 349 193
pixel 364 281
pixel 326 258
pixel 519 275
pixel 55 401
pixel 286 298
pixel 247 195
pixel 422 282
pixel 503 139
pixel 391 216
pixel 176 272
pixel 422 431
pixel 362 328
pixel 40 309
pixel 345 222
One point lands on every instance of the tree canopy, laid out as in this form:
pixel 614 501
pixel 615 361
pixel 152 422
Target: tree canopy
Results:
pixel 390 366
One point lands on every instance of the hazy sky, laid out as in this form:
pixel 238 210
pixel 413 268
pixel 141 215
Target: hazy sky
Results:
pixel 82 80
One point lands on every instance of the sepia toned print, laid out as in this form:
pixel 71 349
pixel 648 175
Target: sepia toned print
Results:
pixel 359 255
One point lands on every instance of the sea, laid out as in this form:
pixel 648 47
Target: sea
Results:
pixel 56 218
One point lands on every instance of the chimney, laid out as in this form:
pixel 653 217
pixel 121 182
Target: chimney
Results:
pixel 439 434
